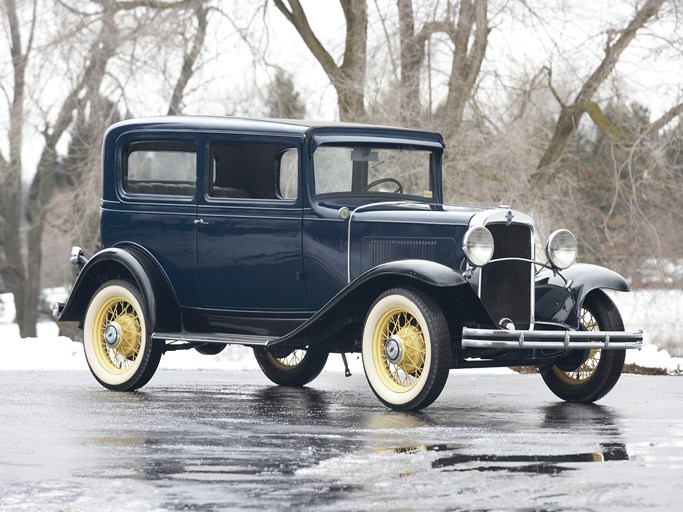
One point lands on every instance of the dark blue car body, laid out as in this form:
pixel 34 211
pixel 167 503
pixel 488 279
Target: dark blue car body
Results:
pixel 232 257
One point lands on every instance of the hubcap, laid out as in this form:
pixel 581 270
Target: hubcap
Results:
pixel 112 335
pixel 393 349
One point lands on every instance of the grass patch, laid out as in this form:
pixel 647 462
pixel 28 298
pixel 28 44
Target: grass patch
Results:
pixel 636 369
pixel 632 368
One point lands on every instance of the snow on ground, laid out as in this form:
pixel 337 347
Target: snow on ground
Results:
pixel 654 311
pixel 657 312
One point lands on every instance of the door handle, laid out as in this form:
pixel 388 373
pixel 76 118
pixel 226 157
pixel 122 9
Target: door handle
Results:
pixel 200 221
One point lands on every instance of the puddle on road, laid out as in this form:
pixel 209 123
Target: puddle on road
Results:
pixel 546 464
pixel 530 463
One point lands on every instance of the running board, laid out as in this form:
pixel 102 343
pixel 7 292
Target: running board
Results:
pixel 229 339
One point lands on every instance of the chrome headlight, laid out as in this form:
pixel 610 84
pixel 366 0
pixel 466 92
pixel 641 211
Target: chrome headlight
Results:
pixel 561 249
pixel 477 244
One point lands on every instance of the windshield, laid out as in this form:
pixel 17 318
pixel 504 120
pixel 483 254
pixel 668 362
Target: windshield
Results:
pixel 367 171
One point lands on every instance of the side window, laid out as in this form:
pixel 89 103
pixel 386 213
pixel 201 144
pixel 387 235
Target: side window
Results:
pixel 288 183
pixel 160 168
pixel 241 170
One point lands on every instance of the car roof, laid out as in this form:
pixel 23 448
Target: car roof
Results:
pixel 244 124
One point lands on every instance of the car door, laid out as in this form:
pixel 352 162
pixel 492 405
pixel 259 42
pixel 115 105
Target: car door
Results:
pixel 249 229
pixel 152 206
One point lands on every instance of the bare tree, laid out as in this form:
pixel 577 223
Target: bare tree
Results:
pixel 467 58
pixel 570 115
pixel 190 58
pixel 12 268
pixel 468 33
pixel 347 78
pixel 23 255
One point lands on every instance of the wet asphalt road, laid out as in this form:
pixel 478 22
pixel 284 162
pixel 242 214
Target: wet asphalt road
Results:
pixel 230 441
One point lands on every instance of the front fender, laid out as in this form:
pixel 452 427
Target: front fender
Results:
pixel 346 311
pixel 558 304
pixel 120 263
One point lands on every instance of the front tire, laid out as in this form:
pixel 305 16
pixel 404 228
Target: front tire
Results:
pixel 118 347
pixel 295 369
pixel 595 374
pixel 406 349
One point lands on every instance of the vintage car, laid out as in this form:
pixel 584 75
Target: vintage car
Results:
pixel 304 239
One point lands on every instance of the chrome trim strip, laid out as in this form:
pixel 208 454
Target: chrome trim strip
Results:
pixel 236 339
pixel 498 216
pixel 498 338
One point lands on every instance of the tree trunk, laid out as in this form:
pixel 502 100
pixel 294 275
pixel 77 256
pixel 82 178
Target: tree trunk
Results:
pixel 42 185
pixel 412 55
pixel 189 60
pixel 348 79
pixel 469 36
pixel 14 271
pixel 467 60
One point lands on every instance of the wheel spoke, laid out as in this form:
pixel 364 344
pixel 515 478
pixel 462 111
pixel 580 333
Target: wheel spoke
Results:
pixel 122 314
pixel 406 372
pixel 588 367
pixel 291 360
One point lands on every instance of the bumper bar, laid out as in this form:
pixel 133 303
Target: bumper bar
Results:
pixel 499 338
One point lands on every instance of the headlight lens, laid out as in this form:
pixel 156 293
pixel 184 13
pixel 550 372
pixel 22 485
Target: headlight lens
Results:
pixel 478 246
pixel 561 249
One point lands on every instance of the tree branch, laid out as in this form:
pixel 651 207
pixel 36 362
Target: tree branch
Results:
pixel 549 70
pixel 570 116
pixel 430 28
pixel 348 78
pixel 32 32
pixel 665 119
pixel 297 17
pixel 472 25
pixel 189 60
pixel 129 5
pixel 614 51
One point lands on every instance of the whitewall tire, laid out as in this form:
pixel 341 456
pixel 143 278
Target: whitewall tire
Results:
pixel 406 349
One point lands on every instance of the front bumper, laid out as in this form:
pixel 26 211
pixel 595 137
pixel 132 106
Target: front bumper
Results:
pixel 567 340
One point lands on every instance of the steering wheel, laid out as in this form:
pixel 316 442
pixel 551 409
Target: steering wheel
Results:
pixel 399 187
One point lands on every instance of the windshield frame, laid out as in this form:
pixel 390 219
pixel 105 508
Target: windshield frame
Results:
pixel 434 150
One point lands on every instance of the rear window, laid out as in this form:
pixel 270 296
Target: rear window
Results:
pixel 160 168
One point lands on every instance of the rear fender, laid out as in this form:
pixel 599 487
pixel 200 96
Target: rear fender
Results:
pixel 558 304
pixel 133 264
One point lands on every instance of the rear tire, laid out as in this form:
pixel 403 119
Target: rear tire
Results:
pixel 595 374
pixel 118 347
pixel 295 369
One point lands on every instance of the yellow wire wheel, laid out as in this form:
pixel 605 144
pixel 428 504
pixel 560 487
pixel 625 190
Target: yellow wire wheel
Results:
pixel 115 337
pixel 288 362
pixel 399 349
pixel 588 375
pixel 585 371
pixel 406 349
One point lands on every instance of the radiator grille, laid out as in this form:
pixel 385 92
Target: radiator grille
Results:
pixel 383 250
pixel 506 286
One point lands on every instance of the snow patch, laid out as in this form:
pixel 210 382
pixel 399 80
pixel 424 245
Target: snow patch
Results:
pixel 654 311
